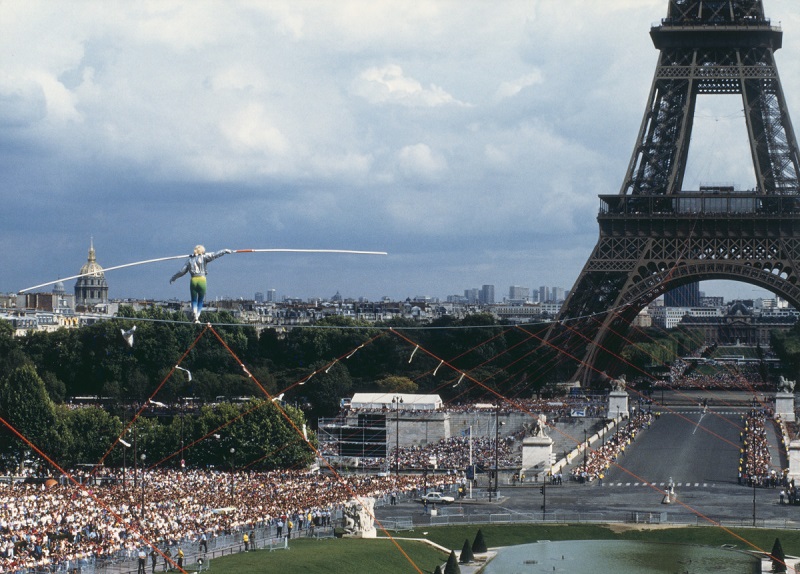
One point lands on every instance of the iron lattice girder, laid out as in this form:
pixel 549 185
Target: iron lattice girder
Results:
pixel 703 229
pixel 715 74
pixel 714 48
pixel 656 255
pixel 769 262
pixel 772 278
pixel 698 12
pixel 639 257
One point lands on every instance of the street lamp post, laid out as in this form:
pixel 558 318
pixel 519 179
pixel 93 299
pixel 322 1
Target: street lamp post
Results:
pixel 471 463
pixel 143 457
pixel 125 446
pixel 397 400
pixel 496 451
pixel 135 457
pixel 496 448
pixel 543 490
pixel 585 448
pixel 183 411
pixel 233 478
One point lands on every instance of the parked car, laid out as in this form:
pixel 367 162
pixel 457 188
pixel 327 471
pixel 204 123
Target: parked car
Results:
pixel 436 498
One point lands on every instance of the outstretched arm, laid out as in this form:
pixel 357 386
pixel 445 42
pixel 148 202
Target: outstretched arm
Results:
pixel 184 270
pixel 211 256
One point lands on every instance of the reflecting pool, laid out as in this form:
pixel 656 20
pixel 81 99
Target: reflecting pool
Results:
pixel 620 557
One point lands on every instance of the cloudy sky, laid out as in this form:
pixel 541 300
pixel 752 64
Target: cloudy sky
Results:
pixel 469 139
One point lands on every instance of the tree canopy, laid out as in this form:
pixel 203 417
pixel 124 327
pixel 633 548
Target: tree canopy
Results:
pixel 312 369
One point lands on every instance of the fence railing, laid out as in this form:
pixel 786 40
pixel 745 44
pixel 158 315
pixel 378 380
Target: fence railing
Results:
pixel 83 566
pixel 629 517
pixel 264 537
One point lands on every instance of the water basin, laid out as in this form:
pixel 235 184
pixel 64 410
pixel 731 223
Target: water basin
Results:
pixel 620 557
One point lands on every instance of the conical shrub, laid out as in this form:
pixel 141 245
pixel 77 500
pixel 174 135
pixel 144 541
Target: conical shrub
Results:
pixel 778 557
pixel 479 545
pixel 452 566
pixel 466 553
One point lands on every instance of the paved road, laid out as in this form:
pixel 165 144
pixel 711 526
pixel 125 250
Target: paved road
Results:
pixel 699 451
pixel 689 445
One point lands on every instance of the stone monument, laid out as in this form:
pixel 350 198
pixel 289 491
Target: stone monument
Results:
pixel 794 459
pixel 359 518
pixel 537 448
pixel 618 399
pixel 784 400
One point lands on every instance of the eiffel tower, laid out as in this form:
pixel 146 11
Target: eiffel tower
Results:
pixel 655 235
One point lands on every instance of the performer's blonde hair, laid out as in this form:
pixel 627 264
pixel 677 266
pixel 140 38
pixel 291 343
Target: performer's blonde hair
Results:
pixel 199 250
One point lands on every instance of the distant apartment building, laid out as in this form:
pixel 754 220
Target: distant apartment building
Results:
pixel 770 304
pixel 518 294
pixel 513 313
pixel 544 294
pixel 683 296
pixel 669 317
pixel 487 295
pixel 472 296
pixel 551 309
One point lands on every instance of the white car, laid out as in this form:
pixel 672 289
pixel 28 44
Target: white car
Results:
pixel 437 498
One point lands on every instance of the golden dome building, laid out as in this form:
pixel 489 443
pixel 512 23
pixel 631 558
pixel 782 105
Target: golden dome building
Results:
pixel 91 288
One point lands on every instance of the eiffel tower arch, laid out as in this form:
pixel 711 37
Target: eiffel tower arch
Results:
pixel 655 235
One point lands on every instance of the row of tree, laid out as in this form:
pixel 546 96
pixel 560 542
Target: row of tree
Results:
pixel 254 435
pixel 42 373
pixel 96 361
pixel 786 345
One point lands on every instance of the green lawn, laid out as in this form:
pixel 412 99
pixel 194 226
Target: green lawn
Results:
pixel 335 555
pixel 348 556
pixel 746 352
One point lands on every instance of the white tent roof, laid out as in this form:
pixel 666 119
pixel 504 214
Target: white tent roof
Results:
pixel 410 401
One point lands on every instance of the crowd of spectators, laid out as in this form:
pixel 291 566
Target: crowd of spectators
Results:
pixel 44 524
pixel 754 456
pixel 734 378
pixel 599 458
pixel 555 406
pixel 687 375
pixel 453 453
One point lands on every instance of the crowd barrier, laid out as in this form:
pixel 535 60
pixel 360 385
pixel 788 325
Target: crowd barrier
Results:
pixel 627 517
pixel 82 566
pixel 261 537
